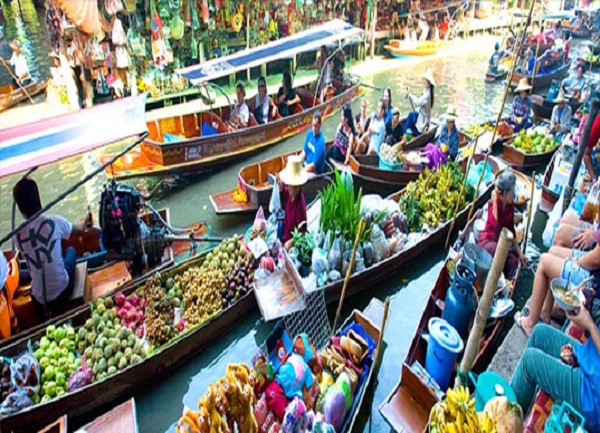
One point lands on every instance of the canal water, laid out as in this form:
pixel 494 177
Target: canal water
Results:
pixel 460 80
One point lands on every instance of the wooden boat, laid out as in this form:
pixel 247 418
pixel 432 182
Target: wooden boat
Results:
pixel 360 281
pixel 549 197
pixel 368 174
pixel 9 96
pixel 122 418
pixel 423 139
pixel 501 75
pixel 587 65
pixel 200 141
pixel 581 33
pixel 407 407
pixel 58 426
pixel 255 179
pixel 542 108
pixel 541 79
pixel 400 48
pixel 517 158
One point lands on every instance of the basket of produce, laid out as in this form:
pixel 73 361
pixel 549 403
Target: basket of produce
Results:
pixel 390 157
pixel 537 140
pixel 392 166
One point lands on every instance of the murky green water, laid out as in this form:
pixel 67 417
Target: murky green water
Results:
pixel 460 76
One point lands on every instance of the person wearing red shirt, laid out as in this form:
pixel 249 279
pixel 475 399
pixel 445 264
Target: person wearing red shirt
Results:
pixel 293 176
pixel 501 214
pixel 592 152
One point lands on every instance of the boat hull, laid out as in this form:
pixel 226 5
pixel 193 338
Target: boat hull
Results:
pixel 542 108
pixel 541 80
pixel 16 96
pixel 491 78
pixel 199 155
pixel 518 159
pixel 399 48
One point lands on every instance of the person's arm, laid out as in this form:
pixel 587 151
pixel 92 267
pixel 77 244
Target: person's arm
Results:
pixel 587 160
pixel 584 320
pixel 554 120
pixel 420 101
pixel 294 100
pixel 351 140
pixel 243 116
pixel 591 261
pixel 453 145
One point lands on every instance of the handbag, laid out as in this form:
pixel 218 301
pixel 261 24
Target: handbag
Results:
pixel 122 57
pixel 113 6
pixel 118 34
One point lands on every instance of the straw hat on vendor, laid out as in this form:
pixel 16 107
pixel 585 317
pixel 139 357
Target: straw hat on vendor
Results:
pixel 450 114
pixel 293 203
pixel 523 86
pixel 560 99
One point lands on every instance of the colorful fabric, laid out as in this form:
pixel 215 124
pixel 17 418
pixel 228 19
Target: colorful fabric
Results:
pixel 573 273
pixel 521 107
pixel 450 139
pixel 589 369
pixel 493 227
pixel 295 213
pixel 377 134
pixel 422 106
pixel 436 156
pixel 341 141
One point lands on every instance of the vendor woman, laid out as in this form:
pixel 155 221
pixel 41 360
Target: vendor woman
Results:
pixel 501 214
pixel 292 177
pixel 520 116
pixel 418 120
pixel 446 142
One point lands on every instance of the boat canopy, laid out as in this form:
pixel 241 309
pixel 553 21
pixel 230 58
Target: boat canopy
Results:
pixel 49 140
pixel 307 40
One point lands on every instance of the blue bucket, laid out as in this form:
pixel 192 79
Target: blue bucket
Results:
pixel 442 350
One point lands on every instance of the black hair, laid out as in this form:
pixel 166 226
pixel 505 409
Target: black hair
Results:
pixel 389 90
pixel 263 80
pixel 347 113
pixel 240 86
pixel 27 196
pixel 317 115
pixel 432 90
pixel 287 80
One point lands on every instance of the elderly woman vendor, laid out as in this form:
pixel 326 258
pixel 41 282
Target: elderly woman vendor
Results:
pixel 291 178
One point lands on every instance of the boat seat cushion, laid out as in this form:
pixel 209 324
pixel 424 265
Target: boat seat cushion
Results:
pixel 172 138
pixel 82 285
pixel 208 130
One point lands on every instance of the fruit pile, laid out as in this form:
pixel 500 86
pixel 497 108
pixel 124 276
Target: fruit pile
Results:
pixel 591 58
pixel 535 141
pixel 226 256
pixel 392 154
pixel 457 414
pixel 473 130
pixel 57 361
pixel 109 347
pixel 131 311
pixel 239 283
pixel 239 195
pixel 202 289
pixel 160 312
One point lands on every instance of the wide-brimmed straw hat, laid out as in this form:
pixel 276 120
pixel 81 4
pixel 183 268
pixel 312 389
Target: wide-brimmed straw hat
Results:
pixel 294 173
pixel 428 75
pixel 53 55
pixel 523 85
pixel 560 97
pixel 450 113
pixel 14 44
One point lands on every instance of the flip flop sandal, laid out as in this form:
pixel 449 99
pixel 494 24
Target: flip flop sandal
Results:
pixel 519 316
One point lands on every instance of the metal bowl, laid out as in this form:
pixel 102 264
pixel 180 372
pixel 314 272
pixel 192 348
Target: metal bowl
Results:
pixel 559 287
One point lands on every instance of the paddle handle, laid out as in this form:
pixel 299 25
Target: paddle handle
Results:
pixel 17 81
pixel 386 309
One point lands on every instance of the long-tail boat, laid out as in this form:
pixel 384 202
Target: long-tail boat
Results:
pixel 517 158
pixel 543 78
pixel 400 48
pixel 122 418
pixel 542 108
pixel 192 143
pixel 407 407
pixel 11 96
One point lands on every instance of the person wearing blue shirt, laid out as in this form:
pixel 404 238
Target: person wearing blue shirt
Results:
pixel 495 59
pixel 520 116
pixel 313 152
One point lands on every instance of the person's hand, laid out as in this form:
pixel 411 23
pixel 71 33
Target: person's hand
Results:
pixel 522 257
pixel 584 240
pixel 518 120
pixel 582 318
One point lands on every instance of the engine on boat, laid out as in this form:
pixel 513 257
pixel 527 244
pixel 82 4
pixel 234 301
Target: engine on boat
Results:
pixel 124 232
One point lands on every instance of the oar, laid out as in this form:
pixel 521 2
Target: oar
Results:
pixel 462 191
pixel 370 86
pixel 537 50
pixel 361 228
pixel 529 213
pixel 510 77
pixel 17 80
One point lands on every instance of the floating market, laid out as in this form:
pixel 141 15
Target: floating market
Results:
pixel 299 217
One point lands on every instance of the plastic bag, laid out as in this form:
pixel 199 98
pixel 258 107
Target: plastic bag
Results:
pixel 80 378
pixel 590 208
pixel 261 274
pixel 275 202
pixel 475 173
pixel 25 373
pixel 368 253
pixel 334 275
pixel 335 254
pixel 553 220
pixel 15 402
pixel 320 266
pixel 380 245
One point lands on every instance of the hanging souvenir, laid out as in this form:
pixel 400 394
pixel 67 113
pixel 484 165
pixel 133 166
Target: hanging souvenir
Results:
pixel 168 52
pixel 122 57
pixel 113 6
pixel 205 15
pixel 158 52
pixel 195 18
pixel 227 9
pixel 118 34
pixel 175 6
pixel 130 5
pixel 137 45
pixel 237 20
pixel 177 27
pixel 194 48
pixel 163 9
pixel 188 14
pixel 156 25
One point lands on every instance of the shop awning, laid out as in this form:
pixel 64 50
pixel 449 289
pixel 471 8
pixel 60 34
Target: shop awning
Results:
pixel 83 13
pixel 307 40
pixel 49 140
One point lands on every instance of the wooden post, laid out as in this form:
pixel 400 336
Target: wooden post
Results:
pixel 485 303
pixel 583 142
pixel 373 28
pixel 247 38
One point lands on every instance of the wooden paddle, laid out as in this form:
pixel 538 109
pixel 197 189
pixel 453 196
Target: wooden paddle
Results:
pixel 529 213
pixel 17 81
pixel 537 50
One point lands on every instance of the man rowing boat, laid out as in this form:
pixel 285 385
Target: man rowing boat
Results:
pixel 19 63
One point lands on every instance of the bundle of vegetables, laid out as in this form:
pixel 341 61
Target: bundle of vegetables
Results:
pixel 57 360
pixel 423 203
pixel 473 130
pixel 109 347
pixel 131 312
pixel 202 294
pixel 240 195
pixel 535 140
pixel 230 253
pixel 392 154
pixel 456 413
pixel 160 312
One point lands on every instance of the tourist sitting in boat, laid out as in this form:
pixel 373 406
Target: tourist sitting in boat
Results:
pixel 501 214
pixel 362 120
pixel 418 120
pixel 286 96
pixel 558 32
pixel 339 64
pixel 372 139
pixel 345 138
pixel 291 179
pixel 446 142
pixel 393 129
pixel 591 157
pixel 19 63
pixel 240 114
pixel 495 59
pixel 387 104
pixel 313 152
pixel 264 106
pixel 560 122
pixel 564 368
pixel 574 85
pixel 52 274
pixel 520 117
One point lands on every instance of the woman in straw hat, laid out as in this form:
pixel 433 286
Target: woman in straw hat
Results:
pixel 560 122
pixel 291 178
pixel 418 120
pixel 520 116
pixel 446 141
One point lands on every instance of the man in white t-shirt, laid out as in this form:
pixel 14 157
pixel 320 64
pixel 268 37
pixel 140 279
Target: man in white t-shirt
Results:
pixel 19 63
pixel 52 275
pixel 240 114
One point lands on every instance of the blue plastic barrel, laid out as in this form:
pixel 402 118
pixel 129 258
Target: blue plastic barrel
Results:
pixel 442 350
pixel 459 307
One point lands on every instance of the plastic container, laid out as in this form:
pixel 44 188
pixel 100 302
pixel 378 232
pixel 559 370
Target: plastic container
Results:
pixel 459 306
pixel 443 348
pixel 564 418
pixel 489 385
pixel 391 166
pixel 478 260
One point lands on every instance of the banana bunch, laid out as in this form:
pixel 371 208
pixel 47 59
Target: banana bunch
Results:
pixel 456 414
pixel 473 130
pixel 239 195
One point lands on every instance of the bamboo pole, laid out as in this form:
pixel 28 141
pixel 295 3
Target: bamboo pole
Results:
pixel 17 81
pixel 361 228
pixel 510 77
pixel 537 50
pixel 530 206
pixel 386 310
pixel 485 303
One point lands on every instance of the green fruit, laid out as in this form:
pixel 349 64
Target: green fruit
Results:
pixel 70 332
pixel 61 378
pixel 111 370
pixel 44 362
pixel 128 353
pixel 89 352
pixel 82 333
pixel 50 330
pixel 49 373
pixel 45 398
pixel 89 324
pixel 56 353
pixel 98 353
pixel 122 363
pixel 60 392
pixel 108 352
pixel 39 354
pixel 170 282
pixel 108 302
pixel 111 362
pixel 96 319
pixel 100 308
pixel 136 359
pixel 44 343
pixel 103 365
pixel 124 344
pixel 50 389
pixel 63 343
pixel 118 356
